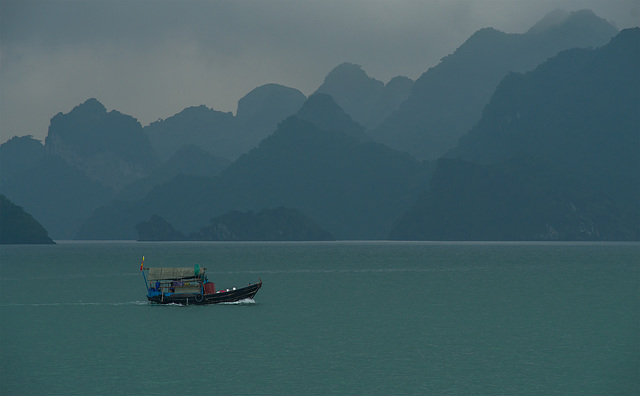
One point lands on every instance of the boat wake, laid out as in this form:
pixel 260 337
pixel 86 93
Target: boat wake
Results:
pixel 246 301
pixel 69 276
pixel 80 303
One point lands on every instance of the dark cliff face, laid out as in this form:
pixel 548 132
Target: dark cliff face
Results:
pixel 555 156
pixel 578 111
pixel 109 147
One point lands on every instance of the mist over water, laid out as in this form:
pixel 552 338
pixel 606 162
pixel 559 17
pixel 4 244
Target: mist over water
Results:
pixel 331 318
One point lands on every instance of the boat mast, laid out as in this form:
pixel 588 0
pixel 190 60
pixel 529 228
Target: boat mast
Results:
pixel 143 275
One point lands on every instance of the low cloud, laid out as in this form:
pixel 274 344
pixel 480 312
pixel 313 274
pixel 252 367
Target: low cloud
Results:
pixel 153 59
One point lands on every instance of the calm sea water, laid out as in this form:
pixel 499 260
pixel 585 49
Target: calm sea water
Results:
pixel 331 318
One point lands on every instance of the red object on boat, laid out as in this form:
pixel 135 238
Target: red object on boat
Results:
pixel 209 288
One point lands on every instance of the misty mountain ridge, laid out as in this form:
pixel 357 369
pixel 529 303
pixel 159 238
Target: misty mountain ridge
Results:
pixel 98 155
pixel 447 100
pixel 196 125
pixel 551 20
pixel 352 188
pixel 581 22
pixel 541 166
pixel 223 134
pixel 88 155
pixel 366 100
pixel 323 162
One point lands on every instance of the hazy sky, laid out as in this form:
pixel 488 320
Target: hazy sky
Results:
pixel 152 58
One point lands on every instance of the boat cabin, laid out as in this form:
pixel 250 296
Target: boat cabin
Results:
pixel 180 280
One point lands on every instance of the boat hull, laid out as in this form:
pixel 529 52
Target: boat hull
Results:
pixel 203 299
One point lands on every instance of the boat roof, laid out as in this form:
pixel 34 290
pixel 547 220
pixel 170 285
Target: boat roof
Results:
pixel 165 273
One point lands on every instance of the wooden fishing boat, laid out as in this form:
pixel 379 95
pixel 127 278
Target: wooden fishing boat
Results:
pixel 190 286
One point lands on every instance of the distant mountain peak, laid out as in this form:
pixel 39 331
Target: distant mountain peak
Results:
pixel 323 111
pixel 91 105
pixel 553 18
pixel 349 75
pixel 348 70
pixel 91 102
pixel 23 140
pixel 353 90
pixel 484 34
pixel 269 98
pixel 560 18
pixel 399 80
pixel 17 155
pixel 627 37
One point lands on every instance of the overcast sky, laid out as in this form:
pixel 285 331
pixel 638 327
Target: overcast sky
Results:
pixel 152 58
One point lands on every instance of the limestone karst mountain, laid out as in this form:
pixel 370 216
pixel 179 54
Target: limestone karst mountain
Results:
pixel 353 188
pixel 367 100
pixel 555 156
pixel 18 226
pixel 223 134
pixel 447 100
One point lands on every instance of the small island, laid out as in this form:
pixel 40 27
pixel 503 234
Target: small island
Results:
pixel 19 227
pixel 279 224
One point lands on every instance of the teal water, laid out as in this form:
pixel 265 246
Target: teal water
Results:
pixel 332 318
